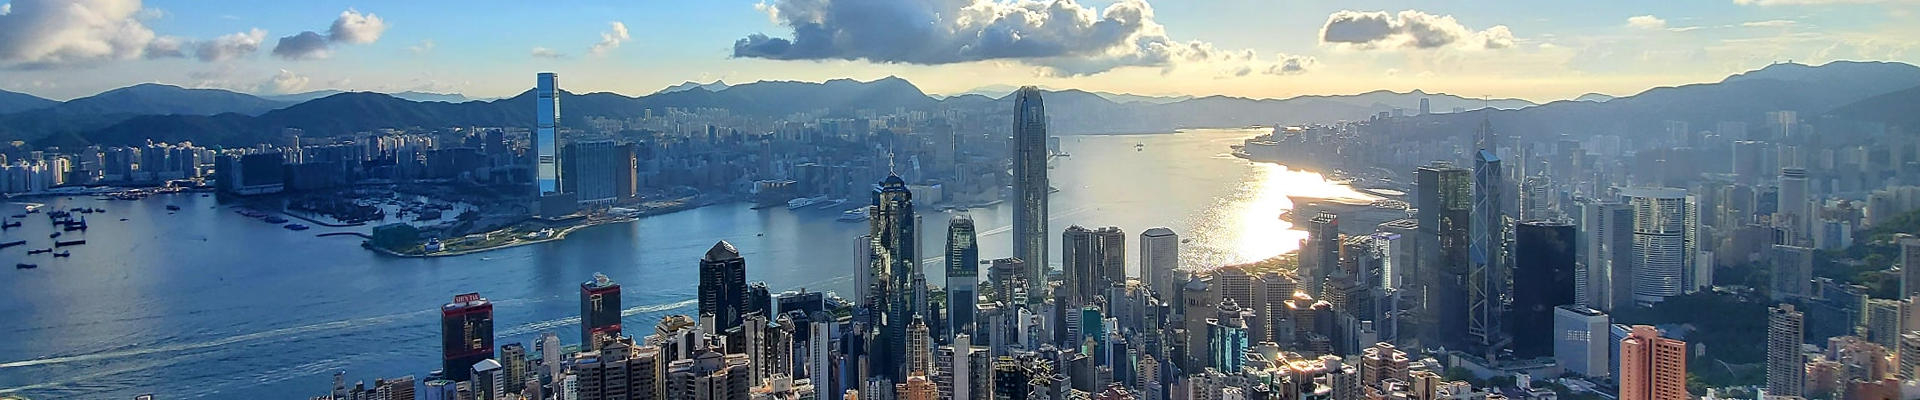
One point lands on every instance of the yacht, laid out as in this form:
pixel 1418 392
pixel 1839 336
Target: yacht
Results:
pixel 854 215
pixel 803 202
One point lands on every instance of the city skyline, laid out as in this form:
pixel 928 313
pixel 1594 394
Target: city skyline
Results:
pixel 1256 50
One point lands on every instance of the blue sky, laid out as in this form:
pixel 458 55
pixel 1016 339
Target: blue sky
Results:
pixel 1256 48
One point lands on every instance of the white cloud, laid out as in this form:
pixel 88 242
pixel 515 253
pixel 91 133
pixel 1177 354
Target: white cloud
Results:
pixel 1812 2
pixel 610 39
pixel 6 8
pixel 283 83
pixel 1646 22
pixel 230 46
pixel 356 28
pixel 1773 23
pixel 425 46
pixel 1409 29
pixel 542 52
pixel 1291 65
pixel 49 33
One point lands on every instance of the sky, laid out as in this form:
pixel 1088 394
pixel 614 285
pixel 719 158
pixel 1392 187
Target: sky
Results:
pixel 1536 50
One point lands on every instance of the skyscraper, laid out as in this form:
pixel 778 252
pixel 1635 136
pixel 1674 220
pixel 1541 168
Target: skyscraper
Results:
pixel 466 334
pixel 1321 253
pixel 1660 248
pixel 1111 243
pixel 546 134
pixel 897 262
pixel 1079 262
pixel 1159 256
pixel 1792 204
pixel 1607 234
pixel 1909 266
pixel 1486 277
pixel 1786 372
pixel 1652 367
pixel 1444 196
pixel 1792 272
pixel 1542 280
pixel 1580 336
pixel 963 276
pixel 723 286
pixel 1030 187
pixel 599 310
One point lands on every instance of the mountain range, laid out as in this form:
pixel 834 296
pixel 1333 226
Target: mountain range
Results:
pixel 215 117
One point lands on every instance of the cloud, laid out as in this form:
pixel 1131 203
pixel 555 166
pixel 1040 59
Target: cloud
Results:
pixel 51 33
pixel 542 52
pixel 1809 2
pixel 351 27
pixel 6 8
pixel 307 45
pixel 1409 29
pixel 610 39
pixel 1292 65
pixel 1774 23
pixel 1063 37
pixel 230 46
pixel 166 47
pixel 356 28
pixel 1646 22
pixel 283 83
pixel 425 46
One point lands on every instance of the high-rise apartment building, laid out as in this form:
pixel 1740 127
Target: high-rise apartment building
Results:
pixel 1652 367
pixel 710 376
pixel 1030 187
pixel 599 310
pixel 1786 371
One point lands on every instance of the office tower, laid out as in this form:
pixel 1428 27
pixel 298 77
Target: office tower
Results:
pixel 896 249
pixel 919 347
pixel 1079 263
pixel 1909 266
pixel 710 376
pixel 1660 247
pixel 1444 196
pixel 1542 280
pixel 489 380
pixel 589 170
pixel 466 333
pixel 1792 203
pixel 620 370
pixel 1580 340
pixel 963 277
pixel 723 286
pixel 513 363
pixel 1486 275
pixel 1792 272
pixel 1030 187
pixel 1159 256
pixel 1008 277
pixel 549 348
pixel 1786 372
pixel 1110 270
pixel 1424 109
pixel 1607 234
pixel 1320 257
pixel 546 134
pixel 1652 367
pixel 1226 337
pixel 1536 199
pixel 599 310
pixel 1383 362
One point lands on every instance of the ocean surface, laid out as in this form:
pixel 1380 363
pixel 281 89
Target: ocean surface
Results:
pixel 206 303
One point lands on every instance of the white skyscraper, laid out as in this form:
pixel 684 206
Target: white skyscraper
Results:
pixel 1662 251
pixel 1159 256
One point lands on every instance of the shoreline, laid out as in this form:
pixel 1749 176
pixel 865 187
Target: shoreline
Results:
pixel 558 234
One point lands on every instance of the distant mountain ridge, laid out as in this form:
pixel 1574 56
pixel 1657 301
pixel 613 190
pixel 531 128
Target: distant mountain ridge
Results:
pixel 1809 89
pixel 13 102
pixel 690 85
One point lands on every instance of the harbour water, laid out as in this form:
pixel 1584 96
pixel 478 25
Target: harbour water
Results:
pixel 205 303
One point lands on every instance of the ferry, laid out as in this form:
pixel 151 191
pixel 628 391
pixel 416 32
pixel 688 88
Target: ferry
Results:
pixel 9 225
pixel 13 243
pixel 69 243
pixel 63 254
pixel 171 207
pixel 39 251
pixel 831 205
pixel 803 202
pixel 274 219
pixel 296 227
pixel 53 235
pixel 25 266
pixel 854 215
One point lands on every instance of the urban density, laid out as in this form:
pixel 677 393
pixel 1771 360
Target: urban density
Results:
pixel 1752 237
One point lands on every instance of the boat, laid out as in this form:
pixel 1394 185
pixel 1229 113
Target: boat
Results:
pixel 39 251
pixel 171 207
pixel 25 266
pixel 53 235
pixel 274 219
pixel 296 227
pixel 803 202
pixel 13 243
pixel 9 225
pixel 831 205
pixel 854 215
pixel 69 243
pixel 63 254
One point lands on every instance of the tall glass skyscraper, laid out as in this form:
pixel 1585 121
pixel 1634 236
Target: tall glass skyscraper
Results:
pixel 963 275
pixel 1486 278
pixel 896 247
pixel 1444 196
pixel 546 135
pixel 599 310
pixel 1030 187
